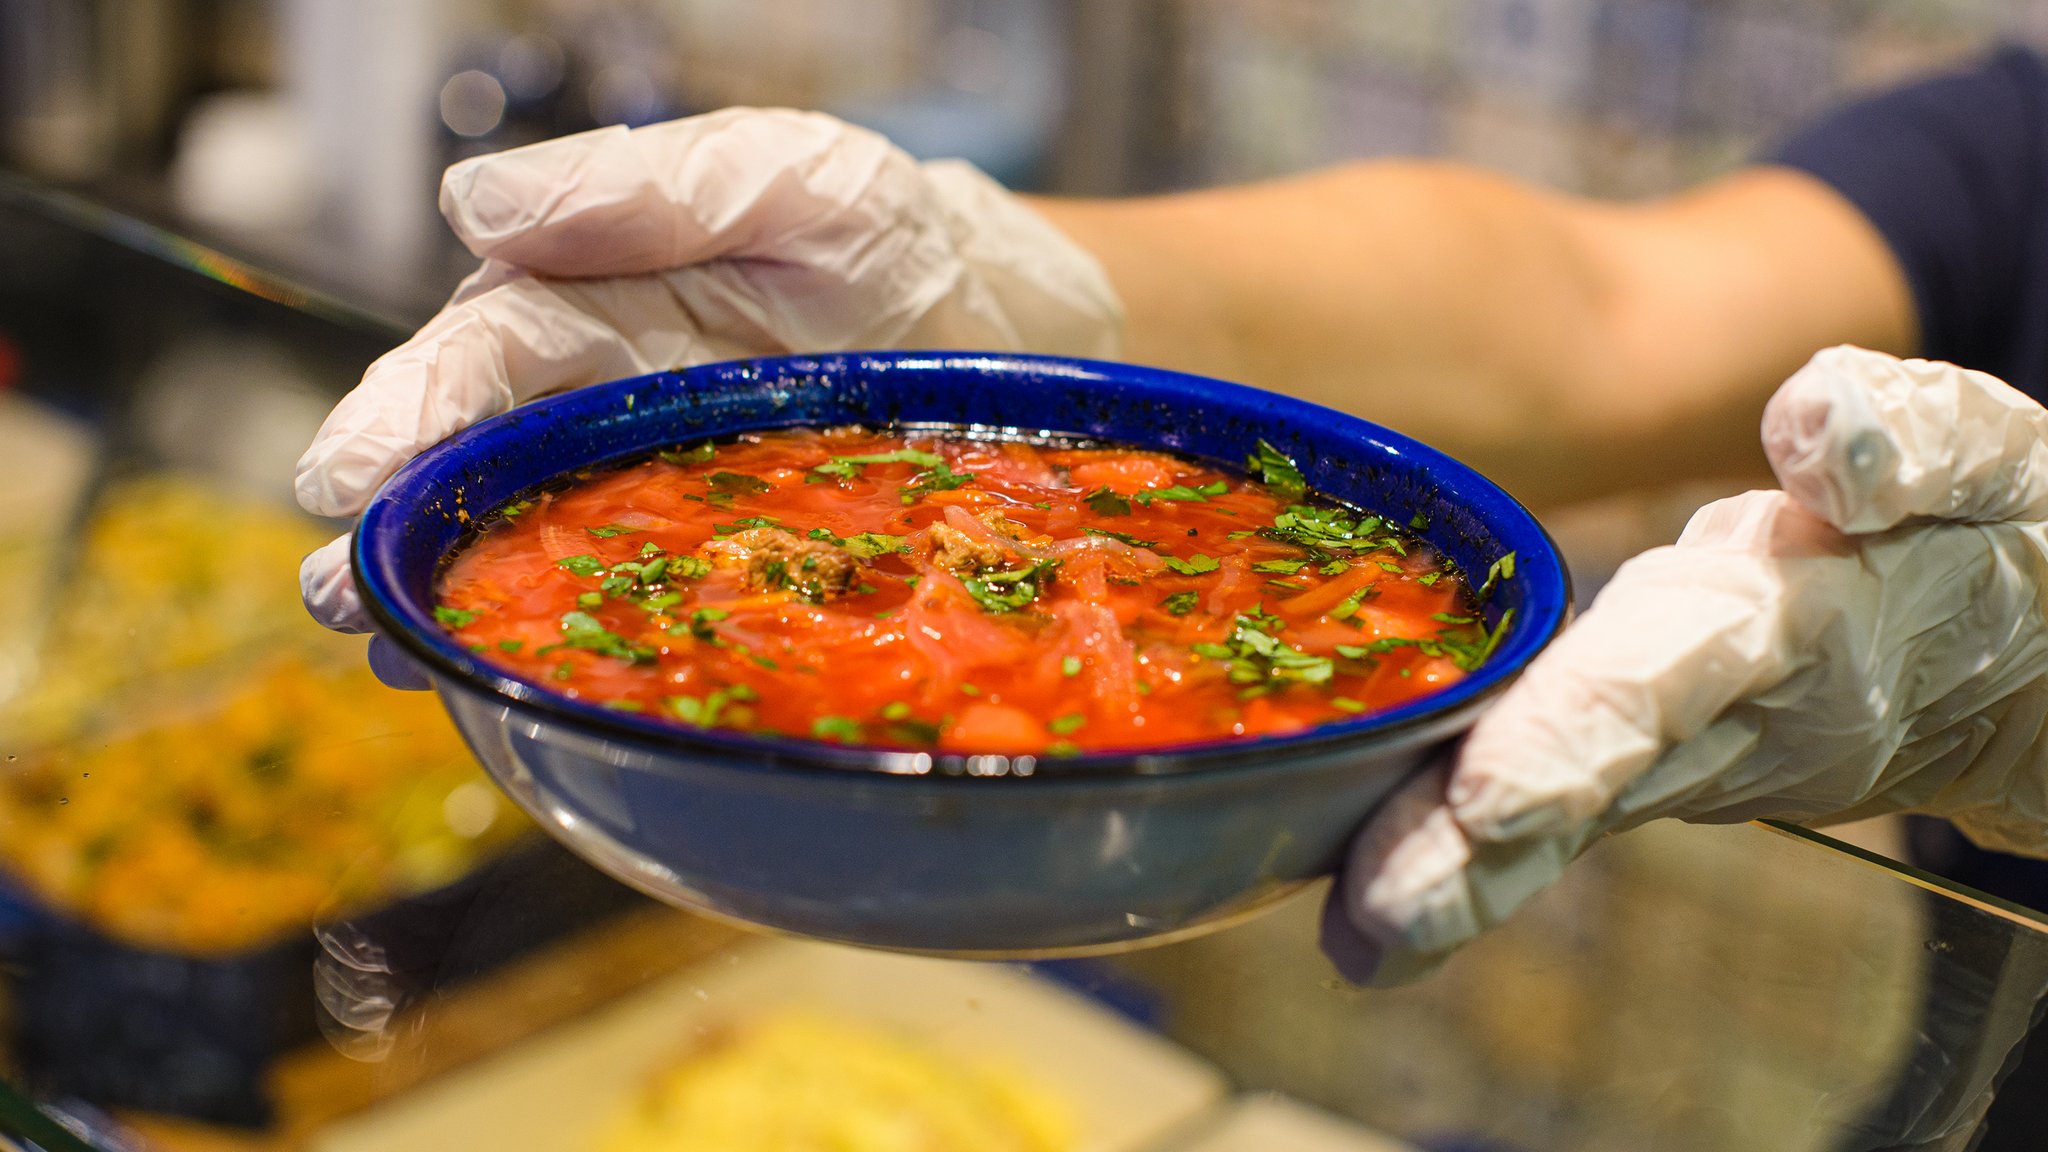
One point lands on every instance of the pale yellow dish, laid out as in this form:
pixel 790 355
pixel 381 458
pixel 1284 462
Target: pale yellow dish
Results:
pixel 199 767
pixel 796 1082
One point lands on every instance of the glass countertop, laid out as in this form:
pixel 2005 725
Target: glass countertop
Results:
pixel 251 899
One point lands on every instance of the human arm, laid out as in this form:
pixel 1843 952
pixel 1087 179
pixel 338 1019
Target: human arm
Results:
pixel 1567 347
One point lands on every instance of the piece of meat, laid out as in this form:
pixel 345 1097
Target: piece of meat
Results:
pixel 777 560
pixel 964 555
pixel 969 545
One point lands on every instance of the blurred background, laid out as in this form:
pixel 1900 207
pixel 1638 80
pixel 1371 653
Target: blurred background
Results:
pixel 315 131
pixel 251 899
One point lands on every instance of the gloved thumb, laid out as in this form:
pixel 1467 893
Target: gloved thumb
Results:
pixel 1868 441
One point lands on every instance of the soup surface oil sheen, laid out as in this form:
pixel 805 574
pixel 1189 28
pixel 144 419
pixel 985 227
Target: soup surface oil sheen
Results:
pixel 931 590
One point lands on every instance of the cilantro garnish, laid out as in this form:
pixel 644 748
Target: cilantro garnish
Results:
pixel 623 705
pixel 511 645
pixel 611 530
pixel 896 710
pixel 1429 578
pixel 1254 656
pixel 911 731
pixel 841 728
pixel 938 478
pixel 1352 603
pixel 1346 704
pixel 1180 603
pixel 1277 470
pixel 1335 567
pixel 848 467
pixel 1283 567
pixel 584 565
pixel 1181 492
pixel 1066 725
pixel 1322 530
pixel 1011 590
pixel 703 712
pixel 699 625
pixel 1447 618
pixel 516 509
pixel 725 486
pixel 695 454
pixel 1466 650
pixel 1418 522
pixel 1126 537
pixel 590 600
pixel 582 631
pixel 1104 502
pixel 865 545
pixel 1071 666
pixel 744 523
pixel 1502 569
pixel 1192 566
pixel 454 617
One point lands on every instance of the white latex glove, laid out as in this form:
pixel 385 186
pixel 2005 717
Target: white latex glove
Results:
pixel 1869 640
pixel 745 232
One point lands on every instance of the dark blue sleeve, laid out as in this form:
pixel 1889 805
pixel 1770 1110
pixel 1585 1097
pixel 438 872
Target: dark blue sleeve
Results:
pixel 1950 171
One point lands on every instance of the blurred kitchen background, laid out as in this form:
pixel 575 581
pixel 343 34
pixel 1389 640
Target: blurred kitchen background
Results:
pixel 213 213
pixel 314 130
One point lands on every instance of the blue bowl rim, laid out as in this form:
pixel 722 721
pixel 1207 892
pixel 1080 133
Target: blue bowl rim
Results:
pixel 376 559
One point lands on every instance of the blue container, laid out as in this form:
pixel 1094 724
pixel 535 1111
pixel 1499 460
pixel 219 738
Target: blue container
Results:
pixel 958 855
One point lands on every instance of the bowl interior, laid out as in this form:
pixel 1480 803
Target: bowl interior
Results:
pixel 429 506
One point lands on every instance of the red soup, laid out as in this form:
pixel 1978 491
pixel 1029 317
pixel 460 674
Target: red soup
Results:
pixel 933 590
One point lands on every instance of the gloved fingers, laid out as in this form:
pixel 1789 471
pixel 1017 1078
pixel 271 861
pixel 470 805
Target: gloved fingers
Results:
pixel 520 339
pixel 327 583
pixel 395 668
pixel 773 183
pixel 1679 635
pixel 1868 441
pixel 1403 885
pixel 329 587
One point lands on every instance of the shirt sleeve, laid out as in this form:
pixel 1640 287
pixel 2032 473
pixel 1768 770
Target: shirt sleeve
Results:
pixel 1949 171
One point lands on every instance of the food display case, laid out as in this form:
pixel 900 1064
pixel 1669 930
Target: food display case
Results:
pixel 251 899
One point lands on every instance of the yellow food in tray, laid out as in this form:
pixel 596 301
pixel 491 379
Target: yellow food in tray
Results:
pixel 797 1082
pixel 202 767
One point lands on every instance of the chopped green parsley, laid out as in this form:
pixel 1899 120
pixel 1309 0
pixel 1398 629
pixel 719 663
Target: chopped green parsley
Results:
pixel 1277 470
pixel 1126 537
pixel 1181 492
pixel 1011 590
pixel 1104 502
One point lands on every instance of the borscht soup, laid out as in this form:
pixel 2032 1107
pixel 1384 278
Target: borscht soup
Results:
pixel 941 590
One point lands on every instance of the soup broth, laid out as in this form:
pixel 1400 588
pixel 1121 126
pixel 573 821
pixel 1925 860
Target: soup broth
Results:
pixel 934 590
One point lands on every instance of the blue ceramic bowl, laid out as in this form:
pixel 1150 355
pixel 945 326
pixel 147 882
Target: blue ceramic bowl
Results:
pixel 974 855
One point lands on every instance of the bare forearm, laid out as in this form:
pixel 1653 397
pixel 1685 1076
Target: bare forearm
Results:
pixel 1565 346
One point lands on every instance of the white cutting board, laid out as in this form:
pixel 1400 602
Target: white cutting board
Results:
pixel 1272 1123
pixel 556 1092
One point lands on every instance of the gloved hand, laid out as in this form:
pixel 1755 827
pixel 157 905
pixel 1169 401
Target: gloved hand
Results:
pixel 1870 640
pixel 740 233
